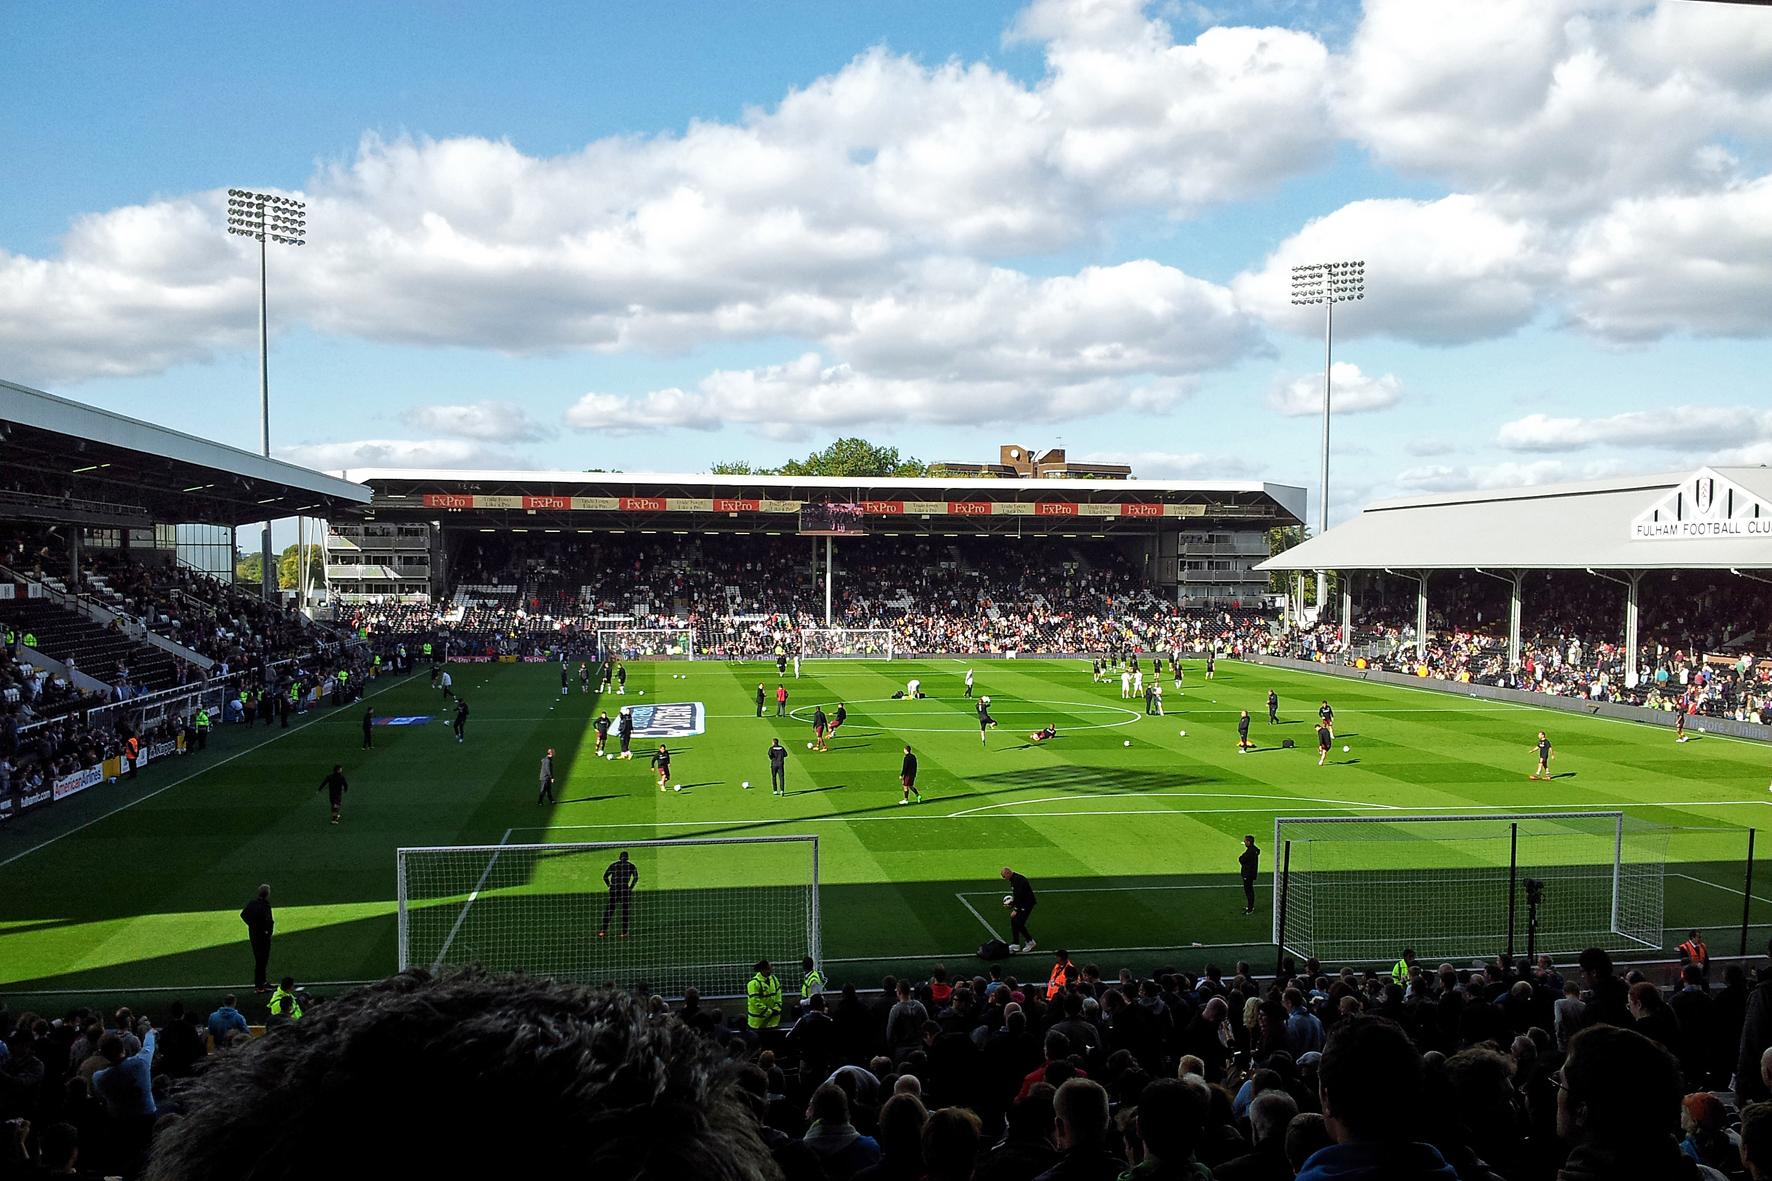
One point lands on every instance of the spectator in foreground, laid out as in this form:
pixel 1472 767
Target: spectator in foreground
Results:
pixel 1172 1115
pixel 1370 1080
pixel 601 1091
pixel 1269 1117
pixel 1618 1110
pixel 901 1141
pixel 950 1144
pixel 841 1149
pixel 1080 1112
pixel 1756 1141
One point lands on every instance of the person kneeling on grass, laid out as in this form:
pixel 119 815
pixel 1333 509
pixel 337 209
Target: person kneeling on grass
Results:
pixel 1050 732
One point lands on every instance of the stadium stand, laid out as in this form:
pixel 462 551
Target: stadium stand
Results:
pixel 1506 1070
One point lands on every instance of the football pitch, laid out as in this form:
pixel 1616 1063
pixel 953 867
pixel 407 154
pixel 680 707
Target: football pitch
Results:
pixel 1128 829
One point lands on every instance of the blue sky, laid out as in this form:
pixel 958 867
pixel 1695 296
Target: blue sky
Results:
pixel 653 237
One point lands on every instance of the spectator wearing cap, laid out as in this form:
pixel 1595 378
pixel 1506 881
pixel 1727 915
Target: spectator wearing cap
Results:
pixel 1370 1080
pixel 1618 1110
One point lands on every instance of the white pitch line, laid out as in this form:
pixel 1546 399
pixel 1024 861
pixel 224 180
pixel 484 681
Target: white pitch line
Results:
pixel 469 905
pixel 981 919
pixel 1172 795
pixel 1719 886
pixel 1534 806
pixel 186 779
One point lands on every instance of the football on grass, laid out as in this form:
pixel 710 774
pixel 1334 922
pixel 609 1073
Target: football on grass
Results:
pixel 1008 900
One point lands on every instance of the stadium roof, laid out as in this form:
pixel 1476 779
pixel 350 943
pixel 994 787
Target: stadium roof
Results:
pixel 64 461
pixel 1716 518
pixel 491 498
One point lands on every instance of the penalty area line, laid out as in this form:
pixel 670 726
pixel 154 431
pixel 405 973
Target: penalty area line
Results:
pixel 469 905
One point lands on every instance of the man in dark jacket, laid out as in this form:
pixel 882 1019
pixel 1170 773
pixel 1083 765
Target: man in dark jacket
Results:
pixel 1610 1002
pixel 1080 1111
pixel 1370 1083
pixel 259 921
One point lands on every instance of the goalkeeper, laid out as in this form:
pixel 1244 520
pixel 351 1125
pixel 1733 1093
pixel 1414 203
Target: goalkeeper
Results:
pixel 1021 905
pixel 621 877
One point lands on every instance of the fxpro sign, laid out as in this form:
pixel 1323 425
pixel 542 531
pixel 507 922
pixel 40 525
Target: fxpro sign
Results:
pixel 1705 506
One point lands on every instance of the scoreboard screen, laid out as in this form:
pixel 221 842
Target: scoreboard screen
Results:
pixel 832 519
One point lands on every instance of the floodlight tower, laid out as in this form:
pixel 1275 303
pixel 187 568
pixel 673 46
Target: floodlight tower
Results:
pixel 267 218
pixel 1327 283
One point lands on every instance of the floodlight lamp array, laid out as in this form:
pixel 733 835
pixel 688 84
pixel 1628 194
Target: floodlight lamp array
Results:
pixel 266 216
pixel 1329 282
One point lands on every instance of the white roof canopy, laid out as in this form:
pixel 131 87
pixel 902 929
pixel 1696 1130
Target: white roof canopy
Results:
pixel 1715 519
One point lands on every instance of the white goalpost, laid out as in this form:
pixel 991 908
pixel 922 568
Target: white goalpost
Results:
pixel 1362 888
pixel 846 643
pixel 702 912
pixel 646 643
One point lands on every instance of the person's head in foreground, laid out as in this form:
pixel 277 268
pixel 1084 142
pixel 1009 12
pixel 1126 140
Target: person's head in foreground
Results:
pixel 467 1075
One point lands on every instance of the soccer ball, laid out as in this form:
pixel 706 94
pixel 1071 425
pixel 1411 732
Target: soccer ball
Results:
pixel 609 756
pixel 642 692
pixel 808 746
pixel 676 787
pixel 746 785
pixel 1128 742
pixel 1008 901
pixel 1014 949
pixel 1184 733
pixel 1345 749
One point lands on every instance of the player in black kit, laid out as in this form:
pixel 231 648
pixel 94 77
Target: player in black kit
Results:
pixel 461 719
pixel 620 877
pixel 1021 905
pixel 1249 863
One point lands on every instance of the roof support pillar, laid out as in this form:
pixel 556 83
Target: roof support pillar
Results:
pixel 1347 609
pixel 1631 582
pixel 1515 603
pixel 1630 629
pixel 1421 615
pixel 1516 581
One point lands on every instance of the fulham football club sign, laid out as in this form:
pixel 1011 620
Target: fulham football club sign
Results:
pixel 1705 506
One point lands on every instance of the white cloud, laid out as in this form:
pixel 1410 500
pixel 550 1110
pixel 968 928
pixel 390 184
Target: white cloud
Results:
pixel 1352 392
pixel 1440 477
pixel 777 224
pixel 1558 104
pixel 419 453
pixel 809 394
pixel 1700 263
pixel 1180 465
pixel 488 422
pixel 1672 428
pixel 1441 272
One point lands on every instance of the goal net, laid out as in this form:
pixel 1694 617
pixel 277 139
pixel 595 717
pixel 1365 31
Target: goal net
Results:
pixel 646 643
pixel 701 913
pixel 1362 888
pixel 854 643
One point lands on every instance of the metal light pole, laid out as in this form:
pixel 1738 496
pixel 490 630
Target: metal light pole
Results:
pixel 267 218
pixel 1327 283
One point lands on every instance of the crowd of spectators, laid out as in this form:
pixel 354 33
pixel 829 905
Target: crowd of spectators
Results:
pixel 743 597
pixel 1699 650
pixel 1501 1072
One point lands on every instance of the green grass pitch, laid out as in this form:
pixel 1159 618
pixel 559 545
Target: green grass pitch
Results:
pixel 1129 830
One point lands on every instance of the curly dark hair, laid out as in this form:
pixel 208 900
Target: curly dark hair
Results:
pixel 470 1074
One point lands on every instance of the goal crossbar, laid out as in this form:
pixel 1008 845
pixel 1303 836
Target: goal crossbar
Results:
pixel 646 643
pixel 846 643
pixel 1361 888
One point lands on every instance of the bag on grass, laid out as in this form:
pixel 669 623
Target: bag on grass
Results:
pixel 993 949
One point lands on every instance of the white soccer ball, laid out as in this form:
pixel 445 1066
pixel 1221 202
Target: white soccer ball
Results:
pixel 1008 901
pixel 676 787
pixel 1184 733
pixel 808 746
pixel 1345 749
pixel 609 756
pixel 746 785
pixel 1127 742
pixel 1015 948
pixel 642 692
